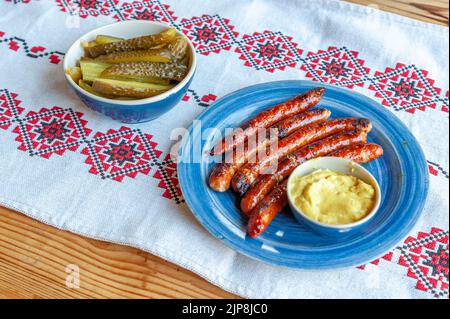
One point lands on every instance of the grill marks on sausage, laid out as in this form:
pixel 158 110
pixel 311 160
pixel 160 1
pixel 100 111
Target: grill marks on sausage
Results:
pixel 269 117
pixel 247 174
pixel 220 177
pixel 360 153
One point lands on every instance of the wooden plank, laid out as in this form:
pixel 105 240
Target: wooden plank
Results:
pixel 434 11
pixel 34 256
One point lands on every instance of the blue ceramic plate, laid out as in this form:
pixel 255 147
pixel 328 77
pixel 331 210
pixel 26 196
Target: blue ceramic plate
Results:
pixel 401 172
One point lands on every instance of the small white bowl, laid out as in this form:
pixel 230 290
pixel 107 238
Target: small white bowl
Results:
pixel 344 166
pixel 129 111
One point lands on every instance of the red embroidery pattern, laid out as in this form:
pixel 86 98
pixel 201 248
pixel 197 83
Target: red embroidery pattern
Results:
pixel 121 153
pixel 17 44
pixel 209 33
pixel 128 152
pixel 426 257
pixel 113 155
pixel 376 262
pixel 336 66
pixel 437 170
pixel 145 10
pixel 51 131
pixel 268 51
pixel 167 174
pixel 9 108
pixel 202 101
pixel 135 10
pixel 405 88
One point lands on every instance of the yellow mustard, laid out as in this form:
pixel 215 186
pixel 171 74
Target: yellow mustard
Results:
pixel 332 197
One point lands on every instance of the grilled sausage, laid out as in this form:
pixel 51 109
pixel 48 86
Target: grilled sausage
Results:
pixel 269 117
pixel 266 211
pixel 221 175
pixel 361 153
pixel 297 121
pixel 248 173
pixel 285 167
pixel 269 207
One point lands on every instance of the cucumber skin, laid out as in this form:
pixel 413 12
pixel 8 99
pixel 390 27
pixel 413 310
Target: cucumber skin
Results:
pixel 91 69
pixel 139 43
pixel 137 90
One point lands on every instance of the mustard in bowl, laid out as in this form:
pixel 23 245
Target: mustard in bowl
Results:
pixel 333 196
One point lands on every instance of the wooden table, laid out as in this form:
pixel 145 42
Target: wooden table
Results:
pixel 34 256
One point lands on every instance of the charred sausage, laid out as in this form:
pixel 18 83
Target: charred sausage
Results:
pixel 221 175
pixel 361 153
pixel 269 117
pixel 248 173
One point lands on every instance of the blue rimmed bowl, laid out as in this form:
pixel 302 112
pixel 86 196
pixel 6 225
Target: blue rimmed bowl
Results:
pixel 129 111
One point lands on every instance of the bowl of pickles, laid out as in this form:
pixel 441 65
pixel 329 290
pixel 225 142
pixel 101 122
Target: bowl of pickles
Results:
pixel 131 71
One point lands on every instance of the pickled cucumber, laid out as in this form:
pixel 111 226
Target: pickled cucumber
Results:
pixel 139 43
pixel 185 61
pixel 91 69
pixel 137 78
pixel 86 87
pixel 158 55
pixel 152 72
pixel 179 48
pixel 131 89
pixel 74 73
pixel 87 44
pixel 136 68
pixel 105 39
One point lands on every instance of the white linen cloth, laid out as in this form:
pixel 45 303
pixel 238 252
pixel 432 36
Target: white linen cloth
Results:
pixel 61 186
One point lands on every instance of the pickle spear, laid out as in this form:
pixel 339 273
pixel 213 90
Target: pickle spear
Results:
pixel 152 72
pixel 179 48
pixel 91 69
pixel 152 55
pixel 131 89
pixel 140 43
pixel 105 39
pixel 74 73
pixel 87 44
pixel 87 87
pixel 99 39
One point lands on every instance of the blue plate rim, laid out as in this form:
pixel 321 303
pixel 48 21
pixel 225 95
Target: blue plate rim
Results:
pixel 388 243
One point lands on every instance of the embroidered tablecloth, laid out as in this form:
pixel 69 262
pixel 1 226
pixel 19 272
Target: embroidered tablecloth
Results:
pixel 57 160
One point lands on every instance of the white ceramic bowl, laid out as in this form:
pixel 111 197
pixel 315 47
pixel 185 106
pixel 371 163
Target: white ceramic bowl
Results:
pixel 129 111
pixel 340 165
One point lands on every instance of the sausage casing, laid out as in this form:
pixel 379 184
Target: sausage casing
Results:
pixel 248 173
pixel 221 175
pixel 269 117
pixel 360 153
